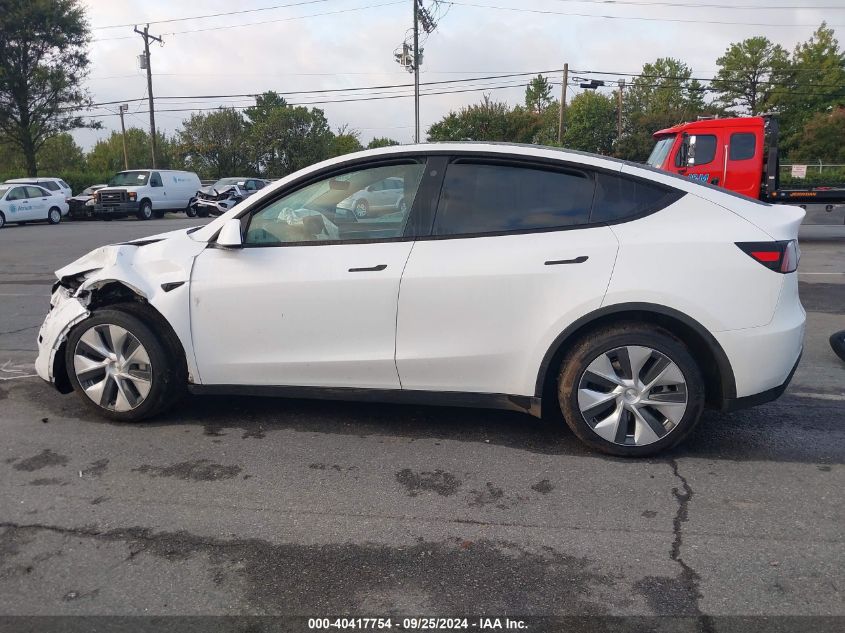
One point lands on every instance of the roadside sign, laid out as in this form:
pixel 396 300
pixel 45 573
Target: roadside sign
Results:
pixel 799 171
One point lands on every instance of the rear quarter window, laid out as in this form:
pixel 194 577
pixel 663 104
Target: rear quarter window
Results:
pixel 620 198
pixel 743 145
pixel 51 185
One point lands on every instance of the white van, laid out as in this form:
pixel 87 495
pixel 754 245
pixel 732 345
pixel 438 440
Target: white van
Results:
pixel 147 193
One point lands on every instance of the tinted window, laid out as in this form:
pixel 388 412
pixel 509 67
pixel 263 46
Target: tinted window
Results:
pixel 64 184
pixel 618 198
pixel 155 180
pixel 52 186
pixel 705 149
pixel 259 184
pixel 18 193
pixel 326 210
pixel 494 198
pixel 742 146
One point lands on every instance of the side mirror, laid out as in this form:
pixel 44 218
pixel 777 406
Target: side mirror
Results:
pixel 230 234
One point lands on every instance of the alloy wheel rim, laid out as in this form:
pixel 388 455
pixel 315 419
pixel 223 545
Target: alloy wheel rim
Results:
pixel 632 395
pixel 54 215
pixel 113 367
pixel 360 210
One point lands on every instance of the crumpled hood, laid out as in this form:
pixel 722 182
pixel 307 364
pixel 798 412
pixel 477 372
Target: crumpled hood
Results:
pixel 143 265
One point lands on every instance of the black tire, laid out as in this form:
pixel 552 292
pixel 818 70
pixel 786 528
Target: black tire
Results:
pixel 145 211
pixel 191 212
pixel 591 346
pixel 203 213
pixel 158 215
pixel 2 220
pixel 54 215
pixel 168 373
pixel 837 343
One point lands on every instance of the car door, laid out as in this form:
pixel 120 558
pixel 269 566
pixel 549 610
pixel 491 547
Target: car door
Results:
pixel 310 300
pixel 40 202
pixel 511 262
pixel 158 192
pixel 701 157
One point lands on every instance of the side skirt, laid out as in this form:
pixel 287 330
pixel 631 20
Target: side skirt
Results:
pixel 524 404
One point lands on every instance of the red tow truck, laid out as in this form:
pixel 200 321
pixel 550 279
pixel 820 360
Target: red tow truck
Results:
pixel 740 154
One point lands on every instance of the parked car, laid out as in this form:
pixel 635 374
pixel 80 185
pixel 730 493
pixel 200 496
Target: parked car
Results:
pixel 517 277
pixel 56 186
pixel 29 203
pixel 82 205
pixel 146 193
pixel 223 195
pixel 378 198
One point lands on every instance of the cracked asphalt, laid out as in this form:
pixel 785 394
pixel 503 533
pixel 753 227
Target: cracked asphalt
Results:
pixel 234 506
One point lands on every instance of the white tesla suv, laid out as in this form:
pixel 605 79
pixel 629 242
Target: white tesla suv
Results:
pixel 516 277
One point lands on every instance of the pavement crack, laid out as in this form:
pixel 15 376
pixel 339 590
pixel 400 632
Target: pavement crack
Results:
pixel 690 580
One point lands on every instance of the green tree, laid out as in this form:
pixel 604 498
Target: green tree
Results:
pixel 486 121
pixel 823 138
pixel 107 155
pixel 381 141
pixel 591 123
pixel 346 141
pixel 538 94
pixel 665 94
pixel 43 64
pixel 60 154
pixel 284 138
pixel 815 82
pixel 748 73
pixel 215 143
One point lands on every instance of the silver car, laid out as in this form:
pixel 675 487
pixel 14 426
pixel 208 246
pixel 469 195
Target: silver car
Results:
pixel 223 195
pixel 384 196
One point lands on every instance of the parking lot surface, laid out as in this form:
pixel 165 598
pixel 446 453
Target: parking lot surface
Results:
pixel 231 505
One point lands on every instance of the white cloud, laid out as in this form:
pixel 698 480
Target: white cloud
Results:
pixel 356 49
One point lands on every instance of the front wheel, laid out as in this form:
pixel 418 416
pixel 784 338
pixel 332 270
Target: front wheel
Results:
pixel 630 390
pixel 120 368
pixel 54 215
pixel 191 212
pixel 2 220
pixel 361 209
pixel 145 211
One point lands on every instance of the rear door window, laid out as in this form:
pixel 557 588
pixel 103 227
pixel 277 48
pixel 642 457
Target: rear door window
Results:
pixel 36 192
pixel 493 198
pixel 743 145
pixel 52 186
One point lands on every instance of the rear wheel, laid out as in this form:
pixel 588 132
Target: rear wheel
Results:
pixel 191 211
pixel 145 211
pixel 2 220
pixel 630 390
pixel 361 209
pixel 54 215
pixel 120 368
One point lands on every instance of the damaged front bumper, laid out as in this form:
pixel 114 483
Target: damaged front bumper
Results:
pixel 66 311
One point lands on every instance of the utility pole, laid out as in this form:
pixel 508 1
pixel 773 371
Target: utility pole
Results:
pixel 123 108
pixel 619 111
pixel 416 72
pixel 562 103
pixel 147 37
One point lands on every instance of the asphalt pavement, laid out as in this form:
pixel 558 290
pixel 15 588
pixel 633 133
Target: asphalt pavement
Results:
pixel 234 506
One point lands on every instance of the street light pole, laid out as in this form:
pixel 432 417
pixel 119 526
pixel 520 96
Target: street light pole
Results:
pixel 123 108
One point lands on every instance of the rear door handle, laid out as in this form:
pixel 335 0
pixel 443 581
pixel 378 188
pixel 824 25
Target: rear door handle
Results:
pixel 373 269
pixel 577 260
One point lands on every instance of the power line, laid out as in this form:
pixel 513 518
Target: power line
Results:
pixel 688 5
pixel 209 15
pixel 289 19
pixel 618 17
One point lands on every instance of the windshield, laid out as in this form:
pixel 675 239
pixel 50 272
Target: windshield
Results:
pixel 3 191
pixel 226 181
pixel 661 151
pixel 124 178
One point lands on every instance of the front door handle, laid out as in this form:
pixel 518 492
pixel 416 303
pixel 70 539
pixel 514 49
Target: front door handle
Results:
pixel 577 260
pixel 372 269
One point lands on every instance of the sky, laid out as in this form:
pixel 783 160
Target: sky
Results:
pixel 294 48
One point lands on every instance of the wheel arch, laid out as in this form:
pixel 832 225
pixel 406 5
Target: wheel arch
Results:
pixel 720 383
pixel 116 294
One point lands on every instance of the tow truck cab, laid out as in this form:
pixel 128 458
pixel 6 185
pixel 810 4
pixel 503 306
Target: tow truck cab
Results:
pixel 724 152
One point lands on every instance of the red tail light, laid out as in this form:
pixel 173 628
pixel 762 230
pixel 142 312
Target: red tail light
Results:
pixel 781 257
